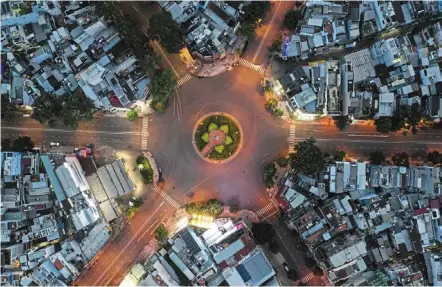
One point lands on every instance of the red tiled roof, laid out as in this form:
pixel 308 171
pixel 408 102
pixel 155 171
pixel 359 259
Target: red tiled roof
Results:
pixel 420 211
pixel 58 264
pixel 435 203
pixel 223 265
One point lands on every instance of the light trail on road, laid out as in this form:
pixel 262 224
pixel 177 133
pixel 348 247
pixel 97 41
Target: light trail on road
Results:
pixel 125 247
pixel 267 31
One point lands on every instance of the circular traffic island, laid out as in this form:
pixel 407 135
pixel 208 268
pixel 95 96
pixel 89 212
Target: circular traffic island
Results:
pixel 217 137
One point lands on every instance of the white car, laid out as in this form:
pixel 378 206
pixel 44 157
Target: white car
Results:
pixel 55 144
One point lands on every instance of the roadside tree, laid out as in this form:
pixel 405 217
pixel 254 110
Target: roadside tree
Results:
pixel 47 108
pixel 291 19
pixel 401 159
pixel 162 85
pixel 434 157
pixel 6 107
pixel 132 115
pixel 308 157
pixel 163 28
pixel 342 122
pixel 383 124
pixel 339 155
pixel 377 158
pixel 77 107
pixel 161 233
pixel 263 232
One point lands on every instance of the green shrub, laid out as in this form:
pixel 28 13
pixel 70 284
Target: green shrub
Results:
pixel 282 161
pixel 219 148
pixel 205 137
pixel 132 115
pixel 224 128
pixel 228 140
pixel 161 233
pixel 212 127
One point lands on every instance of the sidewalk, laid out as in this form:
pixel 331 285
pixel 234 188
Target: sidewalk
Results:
pixel 214 69
pixel 199 69
pixel 142 107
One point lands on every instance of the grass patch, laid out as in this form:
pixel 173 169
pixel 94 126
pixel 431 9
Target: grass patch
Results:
pixel 205 137
pixel 224 128
pixel 212 127
pixel 228 140
pixel 219 149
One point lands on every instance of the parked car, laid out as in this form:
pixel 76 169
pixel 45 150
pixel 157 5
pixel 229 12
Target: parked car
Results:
pixel 286 267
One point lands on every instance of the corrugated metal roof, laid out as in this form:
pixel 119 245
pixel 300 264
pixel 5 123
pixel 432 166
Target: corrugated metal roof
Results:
pixel 59 193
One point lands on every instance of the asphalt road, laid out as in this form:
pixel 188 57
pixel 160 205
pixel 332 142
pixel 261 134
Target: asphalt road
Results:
pixel 115 132
pixel 127 247
pixel 269 30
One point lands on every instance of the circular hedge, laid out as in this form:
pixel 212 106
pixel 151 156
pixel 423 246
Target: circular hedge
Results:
pixel 225 124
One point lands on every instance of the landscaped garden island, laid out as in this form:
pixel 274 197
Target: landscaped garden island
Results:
pixel 217 137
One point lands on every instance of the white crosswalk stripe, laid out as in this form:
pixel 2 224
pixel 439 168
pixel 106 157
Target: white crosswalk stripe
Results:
pixel 166 197
pixel 183 80
pixel 307 278
pixel 292 138
pixel 265 209
pixel 259 68
pixel 144 133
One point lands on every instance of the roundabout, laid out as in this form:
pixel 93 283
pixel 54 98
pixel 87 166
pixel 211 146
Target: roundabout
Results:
pixel 217 137
pixel 232 175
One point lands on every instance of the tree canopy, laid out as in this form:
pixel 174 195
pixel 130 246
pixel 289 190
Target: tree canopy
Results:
pixel 339 155
pixel 377 158
pixel 161 233
pixel 6 107
pixel 70 109
pixel 77 107
pixel 132 115
pixel 145 168
pixel 47 108
pixel 126 27
pixel 269 171
pixel 342 122
pixel 163 28
pixel 276 47
pixel 247 29
pixel 213 207
pixel 263 232
pixel 308 157
pixel 383 124
pixel 162 85
pixel 256 10
pixel 434 157
pixel 20 144
pixel 401 159
pixel 291 19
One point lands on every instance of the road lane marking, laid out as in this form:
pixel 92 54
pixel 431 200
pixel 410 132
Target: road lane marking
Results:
pixel 71 131
pixel 259 68
pixel 267 31
pixel 161 222
pixel 144 233
pixel 125 247
pixel 266 208
pixel 167 59
pixel 292 138
pixel 183 80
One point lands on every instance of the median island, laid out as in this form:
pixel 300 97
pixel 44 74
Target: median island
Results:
pixel 217 137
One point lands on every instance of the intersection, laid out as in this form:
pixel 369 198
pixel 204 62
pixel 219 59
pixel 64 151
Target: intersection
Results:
pixel 188 178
